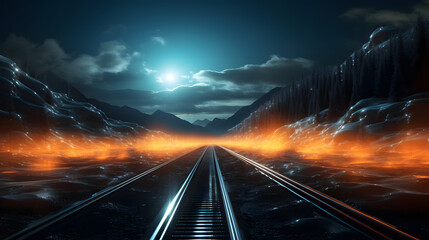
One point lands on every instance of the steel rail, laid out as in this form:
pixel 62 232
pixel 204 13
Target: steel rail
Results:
pixel 163 225
pixel 232 222
pixel 199 218
pixel 366 224
pixel 43 223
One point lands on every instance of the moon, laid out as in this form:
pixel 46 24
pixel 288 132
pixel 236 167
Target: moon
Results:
pixel 170 77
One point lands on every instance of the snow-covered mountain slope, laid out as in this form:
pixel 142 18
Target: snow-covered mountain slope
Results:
pixel 28 105
pixel 375 119
pixel 380 88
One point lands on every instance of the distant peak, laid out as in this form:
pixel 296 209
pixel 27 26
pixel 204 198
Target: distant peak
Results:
pixel 201 123
pixel 162 114
pixel 158 112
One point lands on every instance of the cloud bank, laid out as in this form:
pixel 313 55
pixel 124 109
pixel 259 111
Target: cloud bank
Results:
pixel 388 17
pixel 277 71
pixel 112 57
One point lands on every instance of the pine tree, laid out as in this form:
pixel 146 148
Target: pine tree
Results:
pixel 399 85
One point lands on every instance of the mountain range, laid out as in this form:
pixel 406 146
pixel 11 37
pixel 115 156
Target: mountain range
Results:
pixel 217 126
pixel 158 120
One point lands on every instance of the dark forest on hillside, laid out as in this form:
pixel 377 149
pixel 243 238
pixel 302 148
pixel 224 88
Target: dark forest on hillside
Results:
pixel 394 69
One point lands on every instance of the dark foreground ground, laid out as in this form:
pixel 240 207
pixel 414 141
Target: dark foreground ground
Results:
pixel 263 209
pixel 29 192
pixel 396 196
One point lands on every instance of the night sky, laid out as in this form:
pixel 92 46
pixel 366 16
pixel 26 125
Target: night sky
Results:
pixel 196 59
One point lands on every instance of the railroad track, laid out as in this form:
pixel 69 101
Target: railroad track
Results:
pixel 43 224
pixel 365 224
pixel 201 209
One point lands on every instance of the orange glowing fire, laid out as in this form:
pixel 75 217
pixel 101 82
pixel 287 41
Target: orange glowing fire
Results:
pixel 316 147
pixel 405 151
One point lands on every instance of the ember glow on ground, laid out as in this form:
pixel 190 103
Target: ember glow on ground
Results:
pixel 411 151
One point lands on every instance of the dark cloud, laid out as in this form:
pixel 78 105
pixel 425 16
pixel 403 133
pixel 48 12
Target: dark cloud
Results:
pixel 112 57
pixel 50 57
pixel 182 100
pixel 44 57
pixel 196 94
pixel 388 17
pixel 182 109
pixel 277 71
